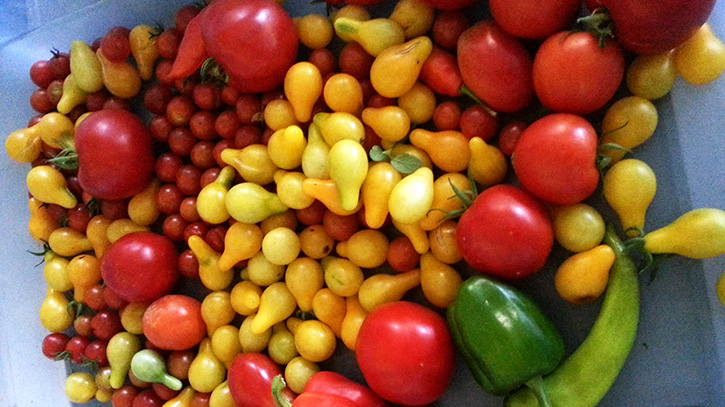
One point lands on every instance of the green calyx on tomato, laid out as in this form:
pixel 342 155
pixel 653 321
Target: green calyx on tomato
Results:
pixel 506 340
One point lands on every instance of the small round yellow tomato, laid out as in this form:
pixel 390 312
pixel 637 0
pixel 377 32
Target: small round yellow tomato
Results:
pixel 342 276
pixel 343 93
pixel 281 346
pixel 245 297
pixel 281 246
pixel 84 272
pixel 315 31
pixel 338 126
pixel 652 76
pixel 442 242
pixel 80 387
pixel 250 341
pixel 55 272
pixel 366 248
pixel 577 227
pixel 298 371
pixel 583 277
pixel 414 16
pixel 419 102
pixel 225 343
pixel 132 317
pixel 262 272
pixel 315 341
pixel 217 310
pixel 279 114
pixel 289 189
pixel 315 242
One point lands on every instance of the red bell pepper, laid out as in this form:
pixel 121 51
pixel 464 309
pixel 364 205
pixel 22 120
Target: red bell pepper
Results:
pixel 440 72
pixel 330 389
pixel 192 53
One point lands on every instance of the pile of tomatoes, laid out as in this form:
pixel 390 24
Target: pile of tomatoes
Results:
pixel 289 177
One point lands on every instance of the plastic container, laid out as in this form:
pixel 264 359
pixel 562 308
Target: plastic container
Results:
pixel 679 356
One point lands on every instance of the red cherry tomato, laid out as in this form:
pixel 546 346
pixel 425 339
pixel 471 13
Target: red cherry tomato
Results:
pixel 506 232
pixel 115 155
pixel 495 66
pixel 592 73
pixel 555 159
pixel 255 41
pixel 174 322
pixel 421 335
pixel 140 267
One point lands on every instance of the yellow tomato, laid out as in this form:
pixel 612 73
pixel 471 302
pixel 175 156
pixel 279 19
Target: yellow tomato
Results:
pixel 304 278
pixel 342 276
pixel 315 341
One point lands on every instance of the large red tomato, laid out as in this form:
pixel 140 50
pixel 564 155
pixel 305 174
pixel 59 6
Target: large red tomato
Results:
pixel 574 74
pixel 174 322
pixel 405 353
pixel 506 232
pixel 255 41
pixel 555 159
pixel 534 19
pixel 495 66
pixel 140 267
pixel 115 155
pixel 655 26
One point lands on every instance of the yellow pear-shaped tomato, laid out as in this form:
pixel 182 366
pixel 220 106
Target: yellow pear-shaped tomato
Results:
pixel 121 79
pixel 366 248
pixel 379 183
pixel 701 59
pixel 211 201
pixel 48 185
pixel 412 197
pixel 415 17
pixel 374 35
pixel 85 67
pixel 289 189
pixel 142 208
pixel 23 145
pixel 55 316
pixel 326 191
pixel 329 308
pixel 56 130
pixel 379 289
pixel 390 123
pixel 40 224
pixel 583 277
pixel 629 187
pixel 211 276
pixel 628 123
pixel 448 149
pixel 241 242
pixel 354 316
pixel 96 234
pixel 142 40
pixel 439 281
pixel 72 96
pixel 252 162
pixel 68 242
pixel 304 278
pixel 396 69
pixel 206 371
pixel 302 87
pixel 275 305
pixel 488 165
pixel 348 166
pixel 698 234
pixel 286 146
pixel 251 203
pixel 415 233
pixel 314 157
pixel 338 126
pixel 445 200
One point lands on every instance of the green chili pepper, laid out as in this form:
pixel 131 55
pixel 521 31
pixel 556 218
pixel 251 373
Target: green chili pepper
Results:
pixel 504 337
pixel 586 376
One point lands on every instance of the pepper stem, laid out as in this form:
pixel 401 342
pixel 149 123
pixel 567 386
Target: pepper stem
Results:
pixel 278 386
pixel 537 386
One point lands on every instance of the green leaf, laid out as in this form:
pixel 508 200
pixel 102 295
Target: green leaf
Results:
pixel 377 154
pixel 406 163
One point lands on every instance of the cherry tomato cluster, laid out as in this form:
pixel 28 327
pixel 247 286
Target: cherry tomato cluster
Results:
pixel 245 234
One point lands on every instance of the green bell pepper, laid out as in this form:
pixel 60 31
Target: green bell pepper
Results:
pixel 503 336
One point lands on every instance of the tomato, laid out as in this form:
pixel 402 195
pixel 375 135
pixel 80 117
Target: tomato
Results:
pixel 448 4
pixel 593 73
pixel 655 26
pixel 495 66
pixel 537 20
pixel 54 344
pixel 115 156
pixel 254 41
pixel 140 267
pixel 506 232
pixel 555 159
pixel 174 322
pixel 405 328
pixel 250 379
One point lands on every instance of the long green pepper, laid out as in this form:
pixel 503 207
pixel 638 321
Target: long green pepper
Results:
pixel 586 376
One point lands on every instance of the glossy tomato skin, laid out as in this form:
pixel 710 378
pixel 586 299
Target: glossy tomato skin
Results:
pixel 174 322
pixel 140 267
pixel 555 159
pixel 255 41
pixel 506 233
pixel 405 353
pixel 250 380
pixel 495 66
pixel 534 19
pixel 115 155
pixel 655 26
pixel 573 74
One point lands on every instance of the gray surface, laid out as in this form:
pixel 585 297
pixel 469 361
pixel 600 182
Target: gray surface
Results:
pixel 679 357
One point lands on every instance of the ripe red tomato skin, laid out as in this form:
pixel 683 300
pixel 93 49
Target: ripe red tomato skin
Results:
pixel 173 322
pixel 250 380
pixel 506 233
pixel 535 20
pixel 495 67
pixel 255 41
pixel 573 74
pixel 410 329
pixel 655 26
pixel 115 154
pixel 140 267
pixel 555 159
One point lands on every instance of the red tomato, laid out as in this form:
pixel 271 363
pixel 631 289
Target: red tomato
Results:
pixel 495 66
pixel 573 74
pixel 405 353
pixel 506 232
pixel 448 4
pixel 174 322
pixel 115 155
pixel 250 380
pixel 534 19
pixel 140 267
pixel 255 41
pixel 656 26
pixel 555 159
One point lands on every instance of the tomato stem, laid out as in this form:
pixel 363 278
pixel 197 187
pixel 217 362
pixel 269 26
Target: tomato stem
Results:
pixel 599 24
